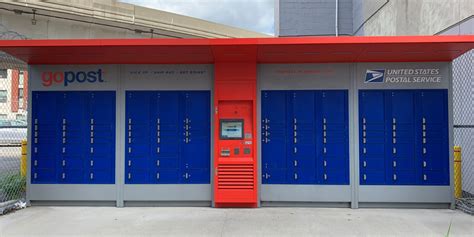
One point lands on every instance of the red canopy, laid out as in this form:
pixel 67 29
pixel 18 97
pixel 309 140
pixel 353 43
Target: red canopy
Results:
pixel 262 50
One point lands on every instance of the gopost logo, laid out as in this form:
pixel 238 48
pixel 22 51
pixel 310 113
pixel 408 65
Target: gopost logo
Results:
pixel 69 77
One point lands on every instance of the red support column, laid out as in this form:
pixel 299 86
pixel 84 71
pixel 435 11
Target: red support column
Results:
pixel 14 90
pixel 235 160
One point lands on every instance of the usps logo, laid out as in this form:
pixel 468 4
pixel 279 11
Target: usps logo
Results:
pixel 374 76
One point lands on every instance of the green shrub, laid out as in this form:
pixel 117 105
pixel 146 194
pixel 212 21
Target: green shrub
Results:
pixel 12 186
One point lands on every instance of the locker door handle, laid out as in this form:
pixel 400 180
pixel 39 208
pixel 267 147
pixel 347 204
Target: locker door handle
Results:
pixel 295 140
pixel 63 175
pixel 36 149
pixel 364 121
pixel 424 164
pixel 129 150
pixel 423 120
pixel 364 163
pixel 394 120
pixel 129 176
pixel 92 150
pixel 129 163
pixel 157 175
pixel 36 163
pixel 324 120
pixel 365 177
pixel 394 150
pixel 158 150
pixel 296 176
pixel 64 150
pixel 295 150
pixel 92 163
pixel 64 163
pixel 425 177
pixel 295 133
pixel 325 177
pixel 92 140
pixel 92 176
pixel 129 121
pixel 129 140
pixel 92 127
pixel 394 163
pixel 324 133
pixel 325 163
pixel 424 150
pixel 294 120
pixel 324 150
pixel 394 177
pixel 394 140
pixel 424 140
pixel 324 140
pixel 364 150
pixel 35 176
pixel 157 162
pixel 36 140
pixel 295 163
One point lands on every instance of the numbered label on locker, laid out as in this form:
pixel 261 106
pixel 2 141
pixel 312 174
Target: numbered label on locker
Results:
pixel 305 137
pixel 403 137
pixel 73 137
pixel 167 137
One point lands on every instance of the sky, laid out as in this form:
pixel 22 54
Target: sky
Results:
pixel 255 15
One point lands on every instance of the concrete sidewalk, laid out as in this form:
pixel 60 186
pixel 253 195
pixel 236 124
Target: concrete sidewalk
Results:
pixel 195 221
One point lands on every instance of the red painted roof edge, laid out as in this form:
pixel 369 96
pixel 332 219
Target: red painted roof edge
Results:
pixel 237 41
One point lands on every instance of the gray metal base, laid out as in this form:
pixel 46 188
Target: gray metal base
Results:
pixel 306 204
pixel 305 193
pixel 404 194
pixel 167 192
pixel 167 204
pixel 74 203
pixel 405 205
pixel 72 192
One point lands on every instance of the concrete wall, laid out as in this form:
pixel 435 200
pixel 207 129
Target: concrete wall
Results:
pixel 313 17
pixel 62 19
pixel 409 17
pixel 370 17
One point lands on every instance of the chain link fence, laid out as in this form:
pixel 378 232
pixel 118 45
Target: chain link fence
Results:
pixel 463 103
pixel 13 125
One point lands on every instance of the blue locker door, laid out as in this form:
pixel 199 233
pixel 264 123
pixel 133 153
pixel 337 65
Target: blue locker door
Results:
pixel 166 138
pixel 138 127
pixel 301 140
pixel 401 138
pixel 372 137
pixel 432 136
pixel 45 136
pixel 100 137
pixel 72 139
pixel 195 145
pixel 333 137
pixel 274 127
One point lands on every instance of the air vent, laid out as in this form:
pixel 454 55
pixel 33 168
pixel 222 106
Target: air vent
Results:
pixel 235 176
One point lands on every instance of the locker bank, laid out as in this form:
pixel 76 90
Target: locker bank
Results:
pixel 346 122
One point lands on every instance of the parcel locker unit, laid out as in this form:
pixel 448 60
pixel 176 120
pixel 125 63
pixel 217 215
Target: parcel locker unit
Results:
pixel 403 137
pixel 73 137
pixel 305 138
pixel 167 137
